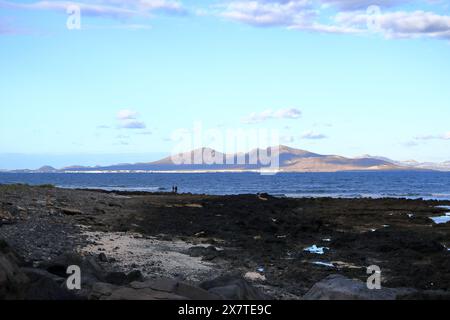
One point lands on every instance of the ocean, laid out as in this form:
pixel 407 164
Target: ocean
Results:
pixel 426 185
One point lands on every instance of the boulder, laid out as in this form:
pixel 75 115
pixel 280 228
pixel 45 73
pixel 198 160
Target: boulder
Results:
pixel 13 282
pixel 157 289
pixel 102 257
pixel 91 271
pixel 35 275
pixel 106 291
pixel 161 284
pixel 338 287
pixel 47 289
pixel 101 290
pixel 207 253
pixel 194 293
pixel 121 278
pixel 142 294
pixel 233 287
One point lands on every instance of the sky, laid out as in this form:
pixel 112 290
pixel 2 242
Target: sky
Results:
pixel 330 76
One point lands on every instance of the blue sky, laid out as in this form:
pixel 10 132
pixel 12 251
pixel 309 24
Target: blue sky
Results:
pixel 326 74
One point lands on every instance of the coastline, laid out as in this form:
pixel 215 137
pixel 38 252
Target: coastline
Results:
pixel 258 236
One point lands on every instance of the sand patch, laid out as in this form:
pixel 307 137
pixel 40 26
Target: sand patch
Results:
pixel 131 251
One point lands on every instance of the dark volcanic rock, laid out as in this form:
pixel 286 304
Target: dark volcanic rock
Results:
pixel 159 289
pixel 121 278
pixel 338 287
pixel 13 282
pixel 102 257
pixel 232 287
pixel 48 289
pixel 207 253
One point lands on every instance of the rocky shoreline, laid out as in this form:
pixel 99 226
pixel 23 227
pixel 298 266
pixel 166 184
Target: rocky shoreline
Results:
pixel 133 245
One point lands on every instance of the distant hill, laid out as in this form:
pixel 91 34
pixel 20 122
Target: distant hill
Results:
pixel 413 164
pixel 47 169
pixel 290 160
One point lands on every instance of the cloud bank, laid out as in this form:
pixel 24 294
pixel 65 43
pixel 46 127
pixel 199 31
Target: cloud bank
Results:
pixel 341 17
pixel 115 9
pixel 393 19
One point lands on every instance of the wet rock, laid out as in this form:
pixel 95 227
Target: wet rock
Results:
pixel 232 287
pixel 338 287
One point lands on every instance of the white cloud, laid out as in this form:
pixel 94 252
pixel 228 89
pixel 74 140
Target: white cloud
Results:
pixel 269 13
pixel 116 9
pixel 132 124
pixel 146 133
pixel 303 15
pixel 292 14
pixel 311 135
pixel 257 117
pixel 128 119
pixel 445 136
pixel 126 114
pixel 352 17
pixel 362 4
pixel 410 144
pixel 400 24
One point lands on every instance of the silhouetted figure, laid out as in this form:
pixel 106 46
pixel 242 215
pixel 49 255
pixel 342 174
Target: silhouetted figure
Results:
pixel 176 189
pixel 173 189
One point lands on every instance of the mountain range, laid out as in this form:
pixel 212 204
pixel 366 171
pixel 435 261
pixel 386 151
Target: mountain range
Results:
pixel 290 160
